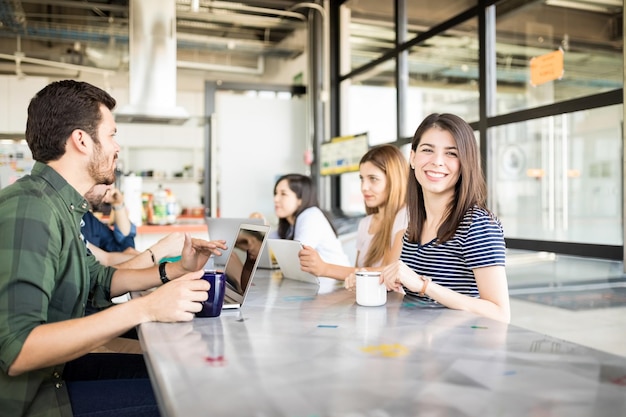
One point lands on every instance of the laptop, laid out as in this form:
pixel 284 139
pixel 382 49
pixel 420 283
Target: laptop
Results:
pixel 241 264
pixel 226 228
pixel 286 252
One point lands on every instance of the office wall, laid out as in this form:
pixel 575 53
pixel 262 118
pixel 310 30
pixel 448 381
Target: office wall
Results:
pixel 168 149
pixel 258 138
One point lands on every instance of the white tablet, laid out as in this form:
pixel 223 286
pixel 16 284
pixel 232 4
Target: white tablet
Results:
pixel 286 253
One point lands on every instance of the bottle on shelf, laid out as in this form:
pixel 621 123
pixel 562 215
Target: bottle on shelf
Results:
pixel 172 207
pixel 159 206
pixel 147 208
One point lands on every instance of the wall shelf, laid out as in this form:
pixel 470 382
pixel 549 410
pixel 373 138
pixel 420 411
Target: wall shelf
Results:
pixel 175 180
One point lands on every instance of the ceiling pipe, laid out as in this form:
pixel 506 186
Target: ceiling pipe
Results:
pixel 204 66
pixel 262 10
pixel 19 58
pixel 82 5
pixel 315 6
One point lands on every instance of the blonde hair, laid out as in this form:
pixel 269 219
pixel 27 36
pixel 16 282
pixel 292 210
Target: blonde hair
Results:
pixel 393 163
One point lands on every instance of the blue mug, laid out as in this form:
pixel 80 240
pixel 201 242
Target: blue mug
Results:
pixel 212 307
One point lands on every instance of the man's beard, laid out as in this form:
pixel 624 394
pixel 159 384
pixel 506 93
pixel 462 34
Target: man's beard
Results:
pixel 95 165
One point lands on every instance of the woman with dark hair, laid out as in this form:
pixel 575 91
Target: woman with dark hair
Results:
pixel 300 218
pixel 383 171
pixel 453 253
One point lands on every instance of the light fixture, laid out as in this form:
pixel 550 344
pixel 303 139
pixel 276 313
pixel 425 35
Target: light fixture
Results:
pixel 609 6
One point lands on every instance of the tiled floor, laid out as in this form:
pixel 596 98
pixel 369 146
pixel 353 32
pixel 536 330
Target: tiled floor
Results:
pixel 600 328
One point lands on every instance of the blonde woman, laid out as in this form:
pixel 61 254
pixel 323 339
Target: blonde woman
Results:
pixel 383 171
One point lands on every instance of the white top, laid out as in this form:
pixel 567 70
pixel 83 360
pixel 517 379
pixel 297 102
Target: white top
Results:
pixel 364 237
pixel 313 229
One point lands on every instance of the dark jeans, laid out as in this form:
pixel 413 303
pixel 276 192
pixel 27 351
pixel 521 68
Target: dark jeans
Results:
pixel 110 384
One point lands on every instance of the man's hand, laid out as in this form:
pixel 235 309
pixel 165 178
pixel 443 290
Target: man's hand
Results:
pixel 178 300
pixel 113 196
pixel 169 246
pixel 196 252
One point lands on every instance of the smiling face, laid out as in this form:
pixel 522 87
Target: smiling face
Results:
pixel 286 202
pixel 436 162
pixel 105 150
pixel 373 185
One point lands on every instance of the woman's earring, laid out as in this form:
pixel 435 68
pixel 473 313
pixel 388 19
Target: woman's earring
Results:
pixel 412 167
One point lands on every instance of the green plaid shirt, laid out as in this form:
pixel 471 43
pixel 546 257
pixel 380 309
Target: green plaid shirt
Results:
pixel 46 276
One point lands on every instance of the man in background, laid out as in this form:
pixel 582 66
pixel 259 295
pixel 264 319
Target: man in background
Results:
pixel 119 234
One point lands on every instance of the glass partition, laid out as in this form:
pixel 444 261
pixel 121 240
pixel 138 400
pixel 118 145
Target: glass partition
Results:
pixel 370 30
pixel 443 75
pixel 552 180
pixel 546 52
pixel 370 25
pixel 559 178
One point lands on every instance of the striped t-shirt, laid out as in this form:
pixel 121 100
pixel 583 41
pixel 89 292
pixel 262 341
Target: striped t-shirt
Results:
pixel 477 243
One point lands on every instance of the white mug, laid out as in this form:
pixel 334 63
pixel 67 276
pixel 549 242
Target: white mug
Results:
pixel 368 291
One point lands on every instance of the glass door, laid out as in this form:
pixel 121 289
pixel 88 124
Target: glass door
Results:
pixel 559 178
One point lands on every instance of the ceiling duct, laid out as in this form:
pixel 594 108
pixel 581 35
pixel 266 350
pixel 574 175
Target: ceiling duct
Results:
pixel 152 65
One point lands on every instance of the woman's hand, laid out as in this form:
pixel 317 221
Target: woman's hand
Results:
pixel 310 261
pixel 350 282
pixel 397 274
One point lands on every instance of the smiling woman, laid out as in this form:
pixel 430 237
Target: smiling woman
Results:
pixel 453 253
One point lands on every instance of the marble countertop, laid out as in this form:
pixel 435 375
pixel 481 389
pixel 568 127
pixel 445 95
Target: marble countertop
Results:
pixel 301 351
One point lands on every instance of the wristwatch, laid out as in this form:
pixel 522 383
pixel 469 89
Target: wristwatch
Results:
pixel 162 273
pixel 426 281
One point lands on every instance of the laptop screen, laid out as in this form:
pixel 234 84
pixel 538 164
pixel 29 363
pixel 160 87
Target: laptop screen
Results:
pixel 243 261
pixel 226 228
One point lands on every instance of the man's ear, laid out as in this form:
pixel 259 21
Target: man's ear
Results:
pixel 78 140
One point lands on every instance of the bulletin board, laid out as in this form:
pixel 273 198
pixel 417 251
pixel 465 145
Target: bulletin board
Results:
pixel 342 154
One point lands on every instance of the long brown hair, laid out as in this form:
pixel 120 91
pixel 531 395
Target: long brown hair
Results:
pixel 469 191
pixel 390 160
